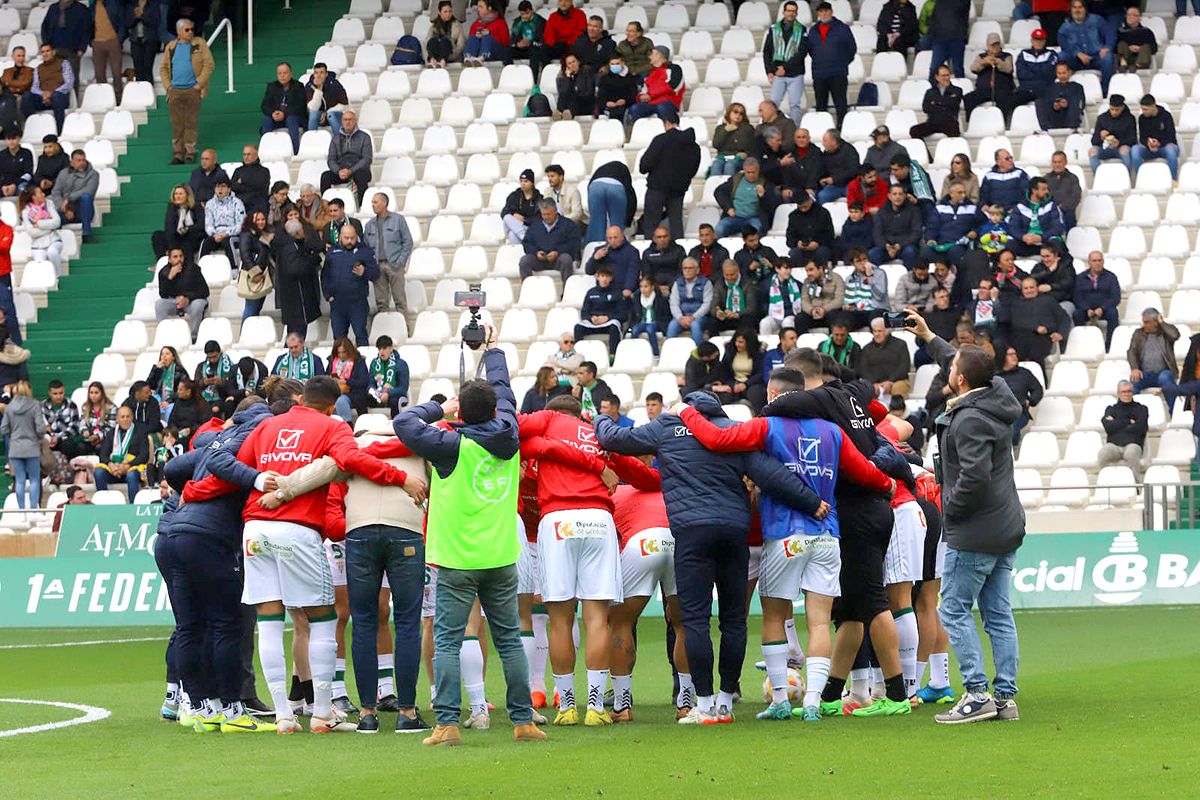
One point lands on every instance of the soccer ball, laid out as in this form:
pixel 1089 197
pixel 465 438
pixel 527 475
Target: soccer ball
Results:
pixel 795 687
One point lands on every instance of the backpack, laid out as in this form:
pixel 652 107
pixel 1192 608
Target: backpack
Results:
pixel 408 51
pixel 868 94
pixel 538 104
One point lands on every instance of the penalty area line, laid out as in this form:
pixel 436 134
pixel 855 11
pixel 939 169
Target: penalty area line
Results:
pixel 90 714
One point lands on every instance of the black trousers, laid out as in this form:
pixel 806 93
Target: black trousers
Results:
pixel 164 558
pixel 924 129
pixel 708 556
pixel 206 590
pixel 143 51
pixel 659 206
pixel 835 88
pixel 361 178
pixel 249 621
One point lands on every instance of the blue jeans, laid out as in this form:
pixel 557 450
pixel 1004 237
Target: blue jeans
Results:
pixel 725 165
pixel 32 103
pixel 827 194
pixel 133 480
pixel 1107 153
pixel 1024 10
pixel 293 123
pixel 1174 390
pixel 708 557
pixel 253 308
pixel 607 205
pixel 986 578
pixel 497 592
pixel 1154 380
pixel 907 254
pixel 651 331
pixel 1181 7
pixel 371 552
pixel 347 315
pixel 27 480
pixel 793 89
pixel 9 306
pixel 1141 154
pixel 947 50
pixel 696 329
pixel 1102 63
pixel 485 47
pixel 334 118
pixel 84 209
pixel 639 110
pixel 733 226
pixel 343 408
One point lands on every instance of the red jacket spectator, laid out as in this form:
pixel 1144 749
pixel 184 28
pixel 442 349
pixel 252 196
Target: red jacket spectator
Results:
pixel 498 29
pixel 872 199
pixel 563 28
pixel 6 240
pixel 665 84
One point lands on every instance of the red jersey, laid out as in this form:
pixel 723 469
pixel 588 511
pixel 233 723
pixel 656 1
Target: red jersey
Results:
pixel 635 511
pixel 335 512
pixel 211 425
pixel 902 494
pixel 6 242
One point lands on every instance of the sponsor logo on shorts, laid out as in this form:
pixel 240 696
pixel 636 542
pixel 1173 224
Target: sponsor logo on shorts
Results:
pixel 253 548
pixel 579 530
pixel 263 547
pixel 653 547
pixel 793 546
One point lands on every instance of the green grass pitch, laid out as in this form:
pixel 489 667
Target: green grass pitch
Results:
pixel 1107 710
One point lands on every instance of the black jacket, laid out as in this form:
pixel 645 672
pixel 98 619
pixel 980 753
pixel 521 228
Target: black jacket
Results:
pixel 717 255
pixel 841 164
pixel 1123 126
pixel 1024 386
pixel 190 283
pixel 297 288
pixel 610 88
pixel 577 93
pixel 15 168
pixel 671 161
pixel 594 55
pixel 48 167
pixel 516 203
pixel 950 19
pixel 815 226
pixel 793 66
pixel 139 447
pixel 146 416
pixel 1061 280
pixel 886 362
pixel 901 227
pixel 904 16
pixel 942 107
pixel 1161 126
pixel 620 173
pixel 662 311
pixel 204 185
pixel 663 266
pixel 289 99
pixel 1126 423
pixel 699 375
pixel 1188 372
pixel 251 183
pixel 608 302
pixel 803 173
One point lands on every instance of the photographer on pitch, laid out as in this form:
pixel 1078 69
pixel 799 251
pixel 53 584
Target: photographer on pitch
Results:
pixel 472 534
pixel 983 523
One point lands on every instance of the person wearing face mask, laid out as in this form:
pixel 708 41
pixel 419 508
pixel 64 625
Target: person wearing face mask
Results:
pixel 616 89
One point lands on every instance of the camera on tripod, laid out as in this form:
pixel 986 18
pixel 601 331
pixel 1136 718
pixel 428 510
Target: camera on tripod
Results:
pixel 473 335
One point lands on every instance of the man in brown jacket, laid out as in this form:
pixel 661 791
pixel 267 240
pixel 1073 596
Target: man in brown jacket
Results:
pixel 187 65
pixel 19 77
pixel 1151 354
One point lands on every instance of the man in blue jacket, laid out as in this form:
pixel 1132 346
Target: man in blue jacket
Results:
pixel 349 271
pixel 1086 41
pixel 1035 221
pixel 832 47
pixel 1035 72
pixel 68 28
pixel 709 511
pixel 1097 294
pixel 1005 184
pixel 550 243
pixel 953 229
pixel 622 258
pixel 604 310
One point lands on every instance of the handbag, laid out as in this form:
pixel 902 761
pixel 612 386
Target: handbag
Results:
pixel 254 283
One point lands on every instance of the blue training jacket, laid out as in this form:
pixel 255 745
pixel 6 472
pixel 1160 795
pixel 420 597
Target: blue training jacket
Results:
pixel 811 448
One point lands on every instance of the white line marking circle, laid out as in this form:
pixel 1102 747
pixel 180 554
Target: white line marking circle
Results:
pixel 91 714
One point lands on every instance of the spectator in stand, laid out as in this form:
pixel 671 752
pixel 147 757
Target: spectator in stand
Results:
pixel 1189 378
pixel 821 296
pixel 1125 426
pixel 897 230
pixel 839 166
pixel 1055 276
pixel 97 419
pixel 669 164
pixel 622 260
pixel 389 377
pixel 832 48
pixel 488 39
pixel 298 363
pixel 994 84
pixel 1061 105
pixel 18 78
pixel 896 27
pixel 1064 188
pixel 774 357
pixel 1151 355
pixel 916 184
pixel 952 233
pixel 948 35
pixel 576 90
pixel 203 179
pixel 662 91
pixel 735 300
pixel 124 454
pixel 1005 184
pixel 10 109
pixel 1024 386
pixel 6 242
pixel 349 159
pixel 1035 221
pixel 611 199
pixel 284 105
pixel 545 388
pixel 691 301
pixel 604 310
pixel 785 301
pixel 705 372
pixel 942 318
pixel 616 88
pixel 164 379
pixel 23 427
pixel 649 313
pixel 799 171
pixel 1136 44
pixel 563 27
pixel 144 407
pixel 41 221
pixel 635 49
pixel 866 294
pixel 75 191
pixel 867 189
pixel 67 30
pixel 279 203
pixel 142 20
pixel 212 375
pixel 16 165
pixel 858 233
pixel 1156 137
pixel 810 233
pixel 446 39
pixel 1038 323
pixel 254 250
pixel 733 140
pixel 187 65
pixel 746 199
pixel 349 369
pixel 50 163
pixel 757 260
pixel 768 112
pixel 551 242
pixel 588 389
pixel 326 99
pixel 709 253
pixel 223 218
pixel 885 362
pixel 387 234
pixel 182 291
pixel 1114 136
pixel 595 47
pixel 51 89
pixel 1097 295
pixel 941 104
pixel 744 359
pixel 108 33
pixel 771 151
pixel 839 346
pixel 783 61
pixel 251 181
pixel 296 249
pixel 520 207
pixel 1034 68
pixel 349 271
pixel 1051 14
pixel 525 35
pixel 1086 42
pixel 915 288
pixel 883 150
pixel 663 260
pixel 190 412
pixel 611 408
pixel 62 420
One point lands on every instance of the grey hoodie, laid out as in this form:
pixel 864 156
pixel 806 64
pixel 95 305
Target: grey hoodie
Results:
pixel 23 426
pixel 980 507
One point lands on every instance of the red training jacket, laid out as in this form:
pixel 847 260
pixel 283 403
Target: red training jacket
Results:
pixel 635 511
pixel 6 241
pixel 335 512
pixel 564 28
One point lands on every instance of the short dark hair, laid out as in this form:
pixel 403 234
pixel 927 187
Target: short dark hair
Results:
pixel 383 341
pixel 590 366
pixel 707 350
pixel 897 403
pixel 604 269
pixel 137 387
pixel 1036 182
pixel 323 65
pixel 55 384
pixel 805 359
pixel 476 402
pixel 975 365
pixel 785 379
pixel 321 392
pixel 73 489
pixel 212 346
pixel 706 225
pixel 596 18
pixel 613 399
pixel 438 398
pixel 337 201
pixel 565 404
pixel 78 152
pixel 901 160
pixel 656 396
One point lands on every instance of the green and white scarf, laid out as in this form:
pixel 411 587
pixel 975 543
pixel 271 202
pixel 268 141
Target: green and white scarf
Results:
pixel 297 368
pixel 775 304
pixel 735 298
pixel 166 386
pixel 383 372
pixel 249 385
pixel 120 450
pixel 587 405
pixel 784 49
pixel 219 370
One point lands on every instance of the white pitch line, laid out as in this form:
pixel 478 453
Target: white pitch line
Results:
pixel 81 644
pixel 90 714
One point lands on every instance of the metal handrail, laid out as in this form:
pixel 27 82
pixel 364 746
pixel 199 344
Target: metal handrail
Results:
pixel 227 26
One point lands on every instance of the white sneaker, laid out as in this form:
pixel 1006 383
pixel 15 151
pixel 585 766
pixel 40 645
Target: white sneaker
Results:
pixel 336 722
pixel 697 717
pixel 538 719
pixel 479 722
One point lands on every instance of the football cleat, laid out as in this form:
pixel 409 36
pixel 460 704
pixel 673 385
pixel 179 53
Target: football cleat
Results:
pixel 811 714
pixel 567 716
pixel 942 696
pixel 538 699
pixel 721 716
pixel 208 724
pixel 335 723
pixel 169 711
pixel 779 711
pixel 391 704
pixel 595 718
pixel 344 705
pixel 247 724
pixel 832 708
pixel 884 707
pixel 287 725
pixel 695 716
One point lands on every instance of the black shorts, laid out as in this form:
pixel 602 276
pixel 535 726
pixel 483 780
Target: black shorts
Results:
pixel 866 529
pixel 933 536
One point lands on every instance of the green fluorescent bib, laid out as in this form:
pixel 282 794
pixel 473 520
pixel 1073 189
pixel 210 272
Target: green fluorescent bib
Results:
pixel 473 513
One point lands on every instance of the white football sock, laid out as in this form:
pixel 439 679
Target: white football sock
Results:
pixel 274 664
pixel 622 692
pixel 705 703
pixel 920 672
pixel 537 666
pixel 575 633
pixel 817 670
pixel 776 656
pixel 339 678
pixel 172 692
pixel 529 645
pixel 877 686
pixel 725 699
pixel 322 657
pixel 597 683
pixel 687 691
pixel 233 710
pixel 565 686
pixel 939 670
pixel 795 651
pixel 386 681
pixel 906 628
pixel 211 707
pixel 470 658
pixel 860 685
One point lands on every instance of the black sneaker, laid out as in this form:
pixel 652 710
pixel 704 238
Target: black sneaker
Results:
pixel 389 703
pixel 257 708
pixel 413 724
pixel 344 705
pixel 368 723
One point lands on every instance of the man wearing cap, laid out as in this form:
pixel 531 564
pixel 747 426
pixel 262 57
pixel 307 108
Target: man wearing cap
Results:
pixel 994 84
pixel 941 105
pixel 1114 136
pixel 1085 42
pixel 223 218
pixel 662 91
pixel 832 47
pixel 1062 103
pixel 52 161
pixel 1034 67
pixel 883 150
pixel 783 60
pixel 16 164
pixel 669 164
pixel 564 195
pixel 1156 136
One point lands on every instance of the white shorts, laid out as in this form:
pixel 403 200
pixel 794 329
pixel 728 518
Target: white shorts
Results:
pixel 755 564
pixel 285 562
pixel 939 563
pixel 578 556
pixel 648 561
pixel 905 557
pixel 527 567
pixel 336 553
pixel 429 599
pixel 800 564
